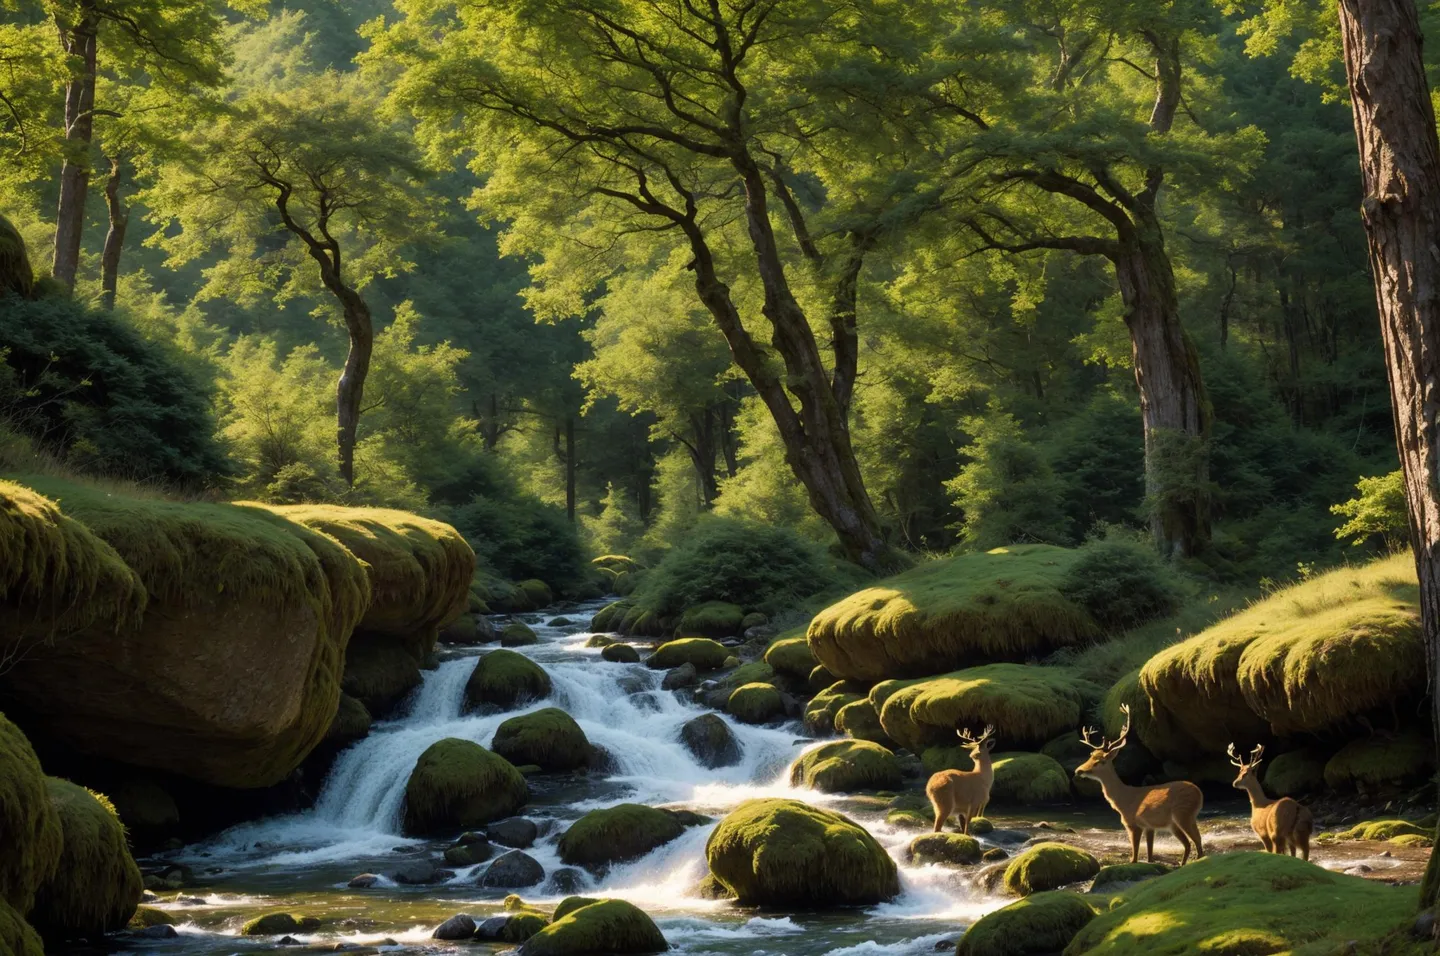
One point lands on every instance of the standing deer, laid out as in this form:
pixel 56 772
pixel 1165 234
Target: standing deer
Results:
pixel 964 791
pixel 1283 825
pixel 1171 806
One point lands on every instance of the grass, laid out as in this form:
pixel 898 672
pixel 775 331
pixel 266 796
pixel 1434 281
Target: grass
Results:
pixel 845 766
pixel 1248 903
pixel 785 852
pixel 616 834
pixel 458 784
pixel 1026 704
pixel 29 823
pixel 96 886
pixel 1001 605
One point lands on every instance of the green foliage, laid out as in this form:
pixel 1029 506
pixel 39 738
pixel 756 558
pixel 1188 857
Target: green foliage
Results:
pixel 1378 508
pixel 846 766
pixel 616 529
pixel 1121 583
pixel 1008 493
pixel 457 784
pixel 1039 924
pixel 96 885
pixel 1048 866
pixel 519 537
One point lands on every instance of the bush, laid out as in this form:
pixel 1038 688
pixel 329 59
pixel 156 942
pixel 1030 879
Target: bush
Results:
pixel 1008 492
pixel 519 537
pixel 1121 583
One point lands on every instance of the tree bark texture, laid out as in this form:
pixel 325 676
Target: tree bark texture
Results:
pixel 1400 171
pixel 79 40
pixel 119 217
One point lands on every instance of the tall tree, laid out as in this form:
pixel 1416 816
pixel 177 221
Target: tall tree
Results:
pixel 309 194
pixel 1400 169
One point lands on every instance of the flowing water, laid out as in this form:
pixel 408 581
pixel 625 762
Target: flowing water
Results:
pixel 301 863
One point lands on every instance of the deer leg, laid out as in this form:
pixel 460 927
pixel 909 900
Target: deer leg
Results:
pixel 941 814
pixel 1268 843
pixel 1304 841
pixel 1149 846
pixel 1134 844
pixel 1184 842
pixel 1192 829
pixel 965 823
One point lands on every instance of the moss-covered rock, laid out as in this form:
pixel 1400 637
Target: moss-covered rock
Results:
pixel 711 740
pixel 1384 830
pixel 1048 866
pixel 1002 605
pixel 598 929
pixel 1029 779
pixel 548 738
pixel 756 703
pixel 352 722
pixel 1294 774
pixel 17 278
pixel 1117 876
pixel 1038 925
pixel 703 653
pixel 617 834
pixel 537 592
pixel 951 849
pixel 277 924
pixel 96 886
pixel 821 710
pixel 1246 903
pixel 858 719
pixel 755 672
pixel 788 853
pixel 1025 704
pixel 791 655
pixel 379 673
pixel 29 822
pixel 819 679
pixel 711 619
pixel 504 679
pixel 147 916
pixel 846 766
pixel 618 653
pixel 17 937
pixel 1380 764
pixel 458 784
pixel 608 618
pixel 518 634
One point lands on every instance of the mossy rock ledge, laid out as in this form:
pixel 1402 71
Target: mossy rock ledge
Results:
pixel 846 766
pixel 1048 866
pixel 96 886
pixel 548 738
pixel 786 852
pixel 603 926
pixel 618 834
pixel 1038 925
pixel 503 679
pixel 29 822
pixel 458 785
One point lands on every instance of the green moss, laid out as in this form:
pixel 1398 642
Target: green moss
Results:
pixel 616 834
pixel 96 886
pixel 753 619
pixel 548 738
pixel 570 904
pixel 1048 866
pixel 1119 875
pixel 29 822
pixel 16 276
pixel 522 926
pixel 999 605
pixel 909 819
pixel 1383 830
pixel 1026 704
pixel 859 720
pixel 705 654
pixel 17 938
pixel 821 710
pixel 608 926
pixel 755 672
pixel 518 634
pixel 618 653
pixel 352 722
pixel 846 766
pixel 504 679
pixel 1035 926
pixel 1295 773
pixel 936 759
pixel 756 703
pixel 277 924
pixel 537 593
pixel 457 784
pixel 608 617
pixel 711 619
pixel 819 679
pixel 1411 839
pixel 599 640
pixel 1380 763
pixel 785 852
pixel 1029 779
pixel 951 849
pixel 1247 903
pixel 379 673
pixel 1153 724
pixel 791 655
pixel 147 916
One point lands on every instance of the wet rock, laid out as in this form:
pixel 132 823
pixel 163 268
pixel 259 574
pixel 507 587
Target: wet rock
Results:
pixel 421 873
pixel 909 765
pixel 160 931
pixel 461 631
pixel 364 881
pixel 599 640
pixel 191 901
pixel 469 854
pixel 950 849
pixel 681 677
pixel 1424 926
pixel 459 926
pixel 278 924
pixel 994 854
pixel 148 897
pixel 513 870
pixel 287 941
pixel 518 634
pixel 567 880
pixel 711 740
pixel 618 653
pixel 516 832
pixel 623 927
pixel 992 877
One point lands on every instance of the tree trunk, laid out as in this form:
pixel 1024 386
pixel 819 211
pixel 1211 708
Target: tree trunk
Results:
pixel 1173 403
pixel 351 388
pixel 1400 170
pixel 115 237
pixel 570 468
pixel 79 41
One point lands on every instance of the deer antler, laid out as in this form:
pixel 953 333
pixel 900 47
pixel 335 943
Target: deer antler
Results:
pixel 987 733
pixel 1086 735
pixel 1256 754
pixel 965 735
pixel 1124 731
pixel 1235 758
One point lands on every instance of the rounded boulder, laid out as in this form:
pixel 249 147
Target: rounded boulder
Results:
pixel 1048 866
pixel 97 886
pixel 1035 926
pixel 502 679
pixel 458 784
pixel 845 766
pixel 548 738
pixel 705 654
pixel 617 834
pixel 615 927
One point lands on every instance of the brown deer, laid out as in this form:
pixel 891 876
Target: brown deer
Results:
pixel 964 791
pixel 1283 825
pixel 1171 806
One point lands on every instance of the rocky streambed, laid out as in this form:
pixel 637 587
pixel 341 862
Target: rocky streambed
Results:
pixel 305 864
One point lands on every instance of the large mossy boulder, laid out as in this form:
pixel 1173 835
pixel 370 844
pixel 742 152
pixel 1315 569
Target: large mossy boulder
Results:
pixel 1048 866
pixel 548 738
pixel 1001 605
pixel 617 834
pixel 29 823
pixel 784 852
pixel 17 937
pixel 860 721
pixel 701 652
pixel 1294 774
pixel 791 655
pixel 1381 764
pixel 380 673
pixel 1026 704
pixel 279 924
pixel 821 710
pixel 1117 876
pixel 711 619
pixel 846 766
pixel 601 928
pixel 756 703
pixel 352 722
pixel 457 785
pixel 1244 903
pixel 608 618
pixel 518 634
pixel 96 885
pixel 503 679
pixel 1029 779
pixel 231 675
pixel 1039 925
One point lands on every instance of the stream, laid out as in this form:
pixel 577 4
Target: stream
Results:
pixel 303 862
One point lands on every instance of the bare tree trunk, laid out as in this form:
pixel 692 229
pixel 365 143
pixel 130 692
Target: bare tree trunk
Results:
pixel 79 41
pixel 1400 169
pixel 351 388
pixel 115 237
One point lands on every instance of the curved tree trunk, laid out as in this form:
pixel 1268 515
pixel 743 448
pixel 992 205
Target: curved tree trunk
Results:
pixel 79 41
pixel 351 389
pixel 1400 169
pixel 115 237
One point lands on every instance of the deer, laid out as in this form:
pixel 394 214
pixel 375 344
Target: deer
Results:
pixel 1283 825
pixel 964 791
pixel 1143 810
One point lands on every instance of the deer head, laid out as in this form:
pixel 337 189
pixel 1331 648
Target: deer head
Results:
pixel 978 745
pixel 1102 751
pixel 1246 765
